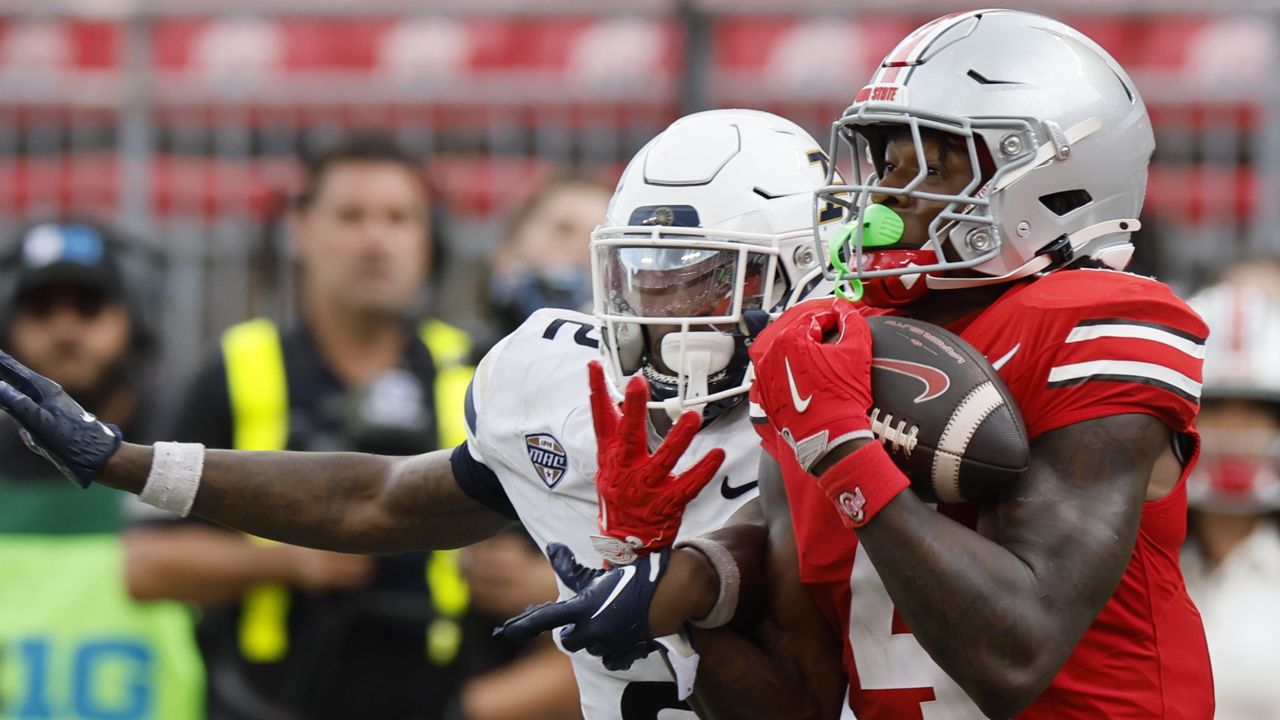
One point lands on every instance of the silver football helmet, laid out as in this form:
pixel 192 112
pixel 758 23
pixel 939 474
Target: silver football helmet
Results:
pixel 1056 135
pixel 708 233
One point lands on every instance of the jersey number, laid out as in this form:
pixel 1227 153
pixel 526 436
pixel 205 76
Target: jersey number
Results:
pixel 582 336
pixel 895 661
pixel 645 700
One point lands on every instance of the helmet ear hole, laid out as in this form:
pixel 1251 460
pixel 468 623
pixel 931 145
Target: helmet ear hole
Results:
pixel 629 346
pixel 1065 201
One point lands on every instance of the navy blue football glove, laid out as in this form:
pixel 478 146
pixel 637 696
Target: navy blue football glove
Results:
pixel 609 617
pixel 54 425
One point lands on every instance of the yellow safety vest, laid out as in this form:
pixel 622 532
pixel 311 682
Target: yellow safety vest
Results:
pixel 258 391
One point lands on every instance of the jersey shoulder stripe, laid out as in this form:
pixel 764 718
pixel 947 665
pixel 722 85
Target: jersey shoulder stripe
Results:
pixel 1176 338
pixel 1121 349
pixel 1125 371
pixel 1096 343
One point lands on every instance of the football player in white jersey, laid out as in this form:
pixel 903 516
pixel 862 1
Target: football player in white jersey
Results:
pixel 709 231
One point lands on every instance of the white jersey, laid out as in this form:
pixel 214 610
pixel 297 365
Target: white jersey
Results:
pixel 1238 601
pixel 529 422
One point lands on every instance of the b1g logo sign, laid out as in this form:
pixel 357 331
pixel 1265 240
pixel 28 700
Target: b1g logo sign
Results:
pixel 107 678
pixel 548 457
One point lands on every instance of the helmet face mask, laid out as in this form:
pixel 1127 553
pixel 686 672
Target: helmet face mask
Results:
pixel 862 134
pixel 685 280
pixel 675 304
pixel 708 232
pixel 1056 138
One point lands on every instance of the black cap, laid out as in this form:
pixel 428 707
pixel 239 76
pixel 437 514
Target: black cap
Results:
pixel 73 253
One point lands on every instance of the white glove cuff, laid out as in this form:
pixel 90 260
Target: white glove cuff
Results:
pixel 683 661
pixel 175 476
pixel 730 580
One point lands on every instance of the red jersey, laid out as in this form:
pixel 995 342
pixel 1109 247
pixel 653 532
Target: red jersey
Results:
pixel 1072 346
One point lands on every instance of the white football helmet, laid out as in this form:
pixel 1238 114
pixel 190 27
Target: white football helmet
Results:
pixel 1055 132
pixel 709 231
pixel 1239 467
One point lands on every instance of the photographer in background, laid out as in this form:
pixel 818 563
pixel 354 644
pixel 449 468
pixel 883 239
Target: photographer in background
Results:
pixel 296 633
pixel 69 633
pixel 543 261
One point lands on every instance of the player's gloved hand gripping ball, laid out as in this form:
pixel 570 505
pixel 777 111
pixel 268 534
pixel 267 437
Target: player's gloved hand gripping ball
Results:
pixel 54 425
pixel 816 393
pixel 813 381
pixel 641 500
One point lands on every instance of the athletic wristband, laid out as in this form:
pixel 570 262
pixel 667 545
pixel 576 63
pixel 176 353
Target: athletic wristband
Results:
pixel 730 580
pixel 863 483
pixel 175 477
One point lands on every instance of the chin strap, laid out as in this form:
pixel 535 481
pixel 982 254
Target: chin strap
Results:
pixel 1054 255
pixel 698 356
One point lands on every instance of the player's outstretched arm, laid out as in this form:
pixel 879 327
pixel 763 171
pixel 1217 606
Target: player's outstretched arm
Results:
pixel 349 502
pixel 337 501
pixel 1002 608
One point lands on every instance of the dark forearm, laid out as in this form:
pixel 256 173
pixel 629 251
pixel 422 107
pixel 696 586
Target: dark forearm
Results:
pixel 739 679
pixel 1001 609
pixel 350 502
pixel 976 608
pixel 788 663
pixel 692 587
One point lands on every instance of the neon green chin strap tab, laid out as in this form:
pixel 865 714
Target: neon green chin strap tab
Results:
pixel 881 227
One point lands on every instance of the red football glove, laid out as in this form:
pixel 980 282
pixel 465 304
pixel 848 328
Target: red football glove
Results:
pixel 641 501
pixel 816 393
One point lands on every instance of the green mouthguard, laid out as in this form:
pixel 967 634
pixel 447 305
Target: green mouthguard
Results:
pixel 881 227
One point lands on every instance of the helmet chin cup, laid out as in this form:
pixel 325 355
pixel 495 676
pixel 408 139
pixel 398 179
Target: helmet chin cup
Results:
pixel 695 356
pixel 895 290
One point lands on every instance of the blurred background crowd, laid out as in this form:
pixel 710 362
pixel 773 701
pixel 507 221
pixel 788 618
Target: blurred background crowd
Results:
pixel 362 197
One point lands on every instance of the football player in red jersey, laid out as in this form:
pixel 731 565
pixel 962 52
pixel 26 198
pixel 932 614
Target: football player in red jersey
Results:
pixel 1010 156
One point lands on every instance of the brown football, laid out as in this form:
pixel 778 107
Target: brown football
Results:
pixel 943 413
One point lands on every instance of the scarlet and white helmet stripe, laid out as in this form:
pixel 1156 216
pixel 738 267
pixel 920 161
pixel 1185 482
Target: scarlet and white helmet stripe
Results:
pixel 1244 344
pixel 914 46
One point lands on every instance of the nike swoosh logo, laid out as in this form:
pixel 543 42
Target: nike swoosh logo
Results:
pixel 936 382
pixel 733 492
pixel 628 572
pixel 1007 357
pixel 801 404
